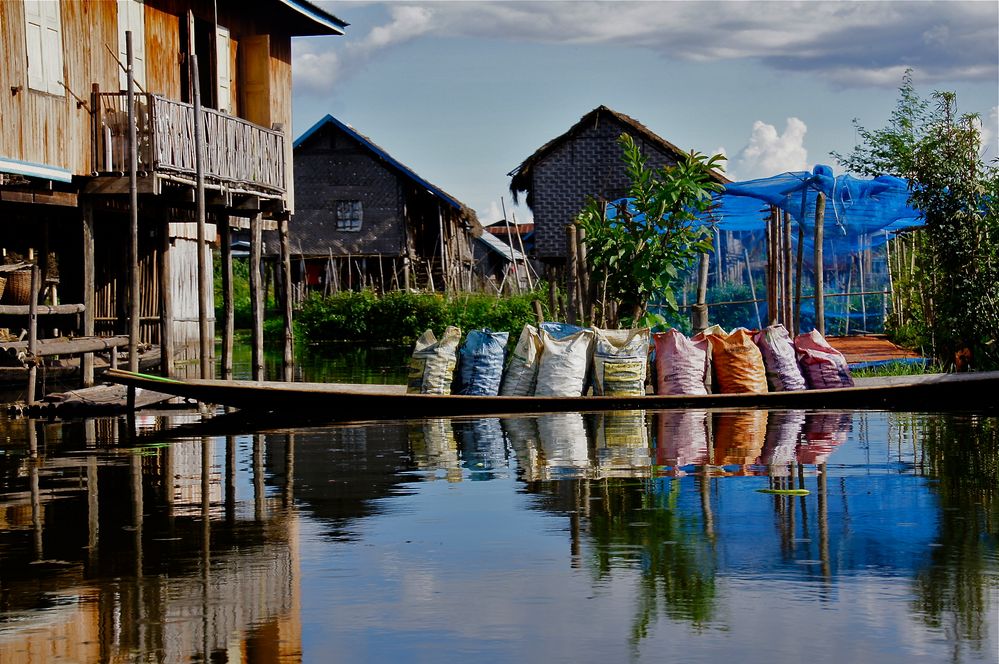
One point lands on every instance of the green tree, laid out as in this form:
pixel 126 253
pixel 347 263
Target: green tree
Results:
pixel 640 255
pixel 957 258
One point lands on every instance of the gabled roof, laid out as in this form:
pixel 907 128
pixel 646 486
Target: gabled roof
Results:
pixel 310 20
pixel 500 247
pixel 386 158
pixel 521 175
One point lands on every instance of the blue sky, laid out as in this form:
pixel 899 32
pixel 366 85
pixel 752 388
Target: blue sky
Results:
pixel 462 92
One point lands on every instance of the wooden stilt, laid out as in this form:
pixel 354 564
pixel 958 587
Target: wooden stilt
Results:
pixel 166 298
pixel 699 312
pixel 752 287
pixel 288 356
pixel 571 273
pixel 33 334
pixel 133 229
pixel 228 306
pixel 786 314
pixel 256 298
pixel 89 285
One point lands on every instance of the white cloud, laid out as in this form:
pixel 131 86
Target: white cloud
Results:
pixel 494 212
pixel 768 152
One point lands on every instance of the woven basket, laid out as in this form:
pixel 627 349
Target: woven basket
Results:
pixel 3 284
pixel 18 287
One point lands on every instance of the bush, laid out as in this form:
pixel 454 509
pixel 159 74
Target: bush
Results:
pixel 401 317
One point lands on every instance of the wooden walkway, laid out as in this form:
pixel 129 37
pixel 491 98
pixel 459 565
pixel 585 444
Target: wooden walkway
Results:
pixel 870 348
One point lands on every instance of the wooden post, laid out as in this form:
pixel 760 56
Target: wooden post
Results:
pixel 288 359
pixel 797 274
pixel 228 306
pixel 133 203
pixel 786 268
pixel 699 312
pixel 552 292
pixel 820 305
pixel 405 273
pixel 33 334
pixel 89 286
pixel 539 315
pixel 571 273
pixel 773 261
pixel 583 272
pixel 861 258
pixel 752 287
pixel 256 298
pixel 166 299
pixel 203 276
pixel 719 279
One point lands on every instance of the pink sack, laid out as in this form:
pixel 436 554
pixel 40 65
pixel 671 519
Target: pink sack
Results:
pixel 823 366
pixel 682 366
pixel 780 360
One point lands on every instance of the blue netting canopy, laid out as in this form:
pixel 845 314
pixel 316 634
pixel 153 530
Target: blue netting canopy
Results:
pixel 859 213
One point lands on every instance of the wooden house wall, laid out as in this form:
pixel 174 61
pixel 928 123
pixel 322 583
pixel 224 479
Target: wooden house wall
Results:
pixel 333 166
pixel 183 257
pixel 48 128
pixel 52 129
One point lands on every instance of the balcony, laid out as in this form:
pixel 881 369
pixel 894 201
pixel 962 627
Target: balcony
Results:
pixel 239 156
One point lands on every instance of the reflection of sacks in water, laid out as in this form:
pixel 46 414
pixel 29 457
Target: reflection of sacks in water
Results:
pixel 434 447
pixel 783 431
pixel 622 440
pixel 739 437
pixel 824 432
pixel 522 432
pixel 563 440
pixel 481 443
pixel 681 438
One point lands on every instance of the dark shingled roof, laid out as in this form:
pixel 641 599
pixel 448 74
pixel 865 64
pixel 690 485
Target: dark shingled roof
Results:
pixel 522 174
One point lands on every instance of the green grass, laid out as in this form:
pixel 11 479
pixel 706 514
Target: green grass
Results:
pixel 897 369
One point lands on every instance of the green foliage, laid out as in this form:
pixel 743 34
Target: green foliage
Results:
pixel 400 317
pixel 642 253
pixel 948 285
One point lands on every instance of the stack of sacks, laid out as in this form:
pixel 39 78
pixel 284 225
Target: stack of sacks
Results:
pixel 737 362
pixel 480 365
pixel 620 361
pixel 682 366
pixel 431 369
pixel 780 360
pixel 822 365
pixel 521 376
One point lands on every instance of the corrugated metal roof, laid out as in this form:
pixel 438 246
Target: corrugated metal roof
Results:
pixel 331 23
pixel 382 154
pixel 501 247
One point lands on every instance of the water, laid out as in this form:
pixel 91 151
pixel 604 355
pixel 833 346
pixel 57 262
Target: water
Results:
pixel 610 537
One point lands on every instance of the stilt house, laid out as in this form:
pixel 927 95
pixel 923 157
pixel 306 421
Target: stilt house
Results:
pixel 363 219
pixel 64 150
pixel 583 162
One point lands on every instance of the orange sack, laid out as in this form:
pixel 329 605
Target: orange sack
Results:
pixel 737 361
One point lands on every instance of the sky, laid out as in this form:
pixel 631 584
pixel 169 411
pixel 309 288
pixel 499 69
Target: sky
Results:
pixel 463 92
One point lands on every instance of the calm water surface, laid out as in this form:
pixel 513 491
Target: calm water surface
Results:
pixel 633 536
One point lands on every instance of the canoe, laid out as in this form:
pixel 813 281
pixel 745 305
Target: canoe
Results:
pixel 348 402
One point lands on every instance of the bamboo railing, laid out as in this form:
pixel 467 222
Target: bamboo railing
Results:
pixel 237 153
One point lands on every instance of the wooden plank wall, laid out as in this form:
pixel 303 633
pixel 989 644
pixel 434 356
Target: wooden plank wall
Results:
pixel 47 128
pixel 184 282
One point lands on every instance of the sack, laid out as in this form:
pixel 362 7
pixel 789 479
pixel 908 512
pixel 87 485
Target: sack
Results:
pixel 737 362
pixel 431 368
pixel 480 363
pixel 682 366
pixel 780 359
pixel 620 361
pixel 521 374
pixel 823 366
pixel 559 330
pixel 563 364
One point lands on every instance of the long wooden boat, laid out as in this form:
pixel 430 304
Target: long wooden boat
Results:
pixel 348 402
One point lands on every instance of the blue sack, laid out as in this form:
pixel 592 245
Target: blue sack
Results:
pixel 481 363
pixel 559 330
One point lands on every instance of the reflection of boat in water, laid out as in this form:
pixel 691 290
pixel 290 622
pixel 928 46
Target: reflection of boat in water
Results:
pixel 345 402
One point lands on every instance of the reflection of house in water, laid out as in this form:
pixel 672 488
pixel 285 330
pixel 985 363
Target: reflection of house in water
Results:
pixel 130 563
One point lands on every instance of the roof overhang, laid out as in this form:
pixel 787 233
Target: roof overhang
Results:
pixel 35 170
pixel 313 21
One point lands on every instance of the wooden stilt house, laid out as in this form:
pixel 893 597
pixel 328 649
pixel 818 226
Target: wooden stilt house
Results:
pixel 365 220
pixel 66 195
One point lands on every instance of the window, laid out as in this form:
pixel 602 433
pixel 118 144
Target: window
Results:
pixel 43 34
pixel 349 215
pixel 131 16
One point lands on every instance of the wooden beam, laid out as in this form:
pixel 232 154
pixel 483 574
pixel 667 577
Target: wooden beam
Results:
pixel 820 307
pixel 205 346
pixel 118 186
pixel 166 297
pixel 288 360
pixel 256 301
pixel 133 230
pixel 228 309
pixel 89 286
pixel 42 309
